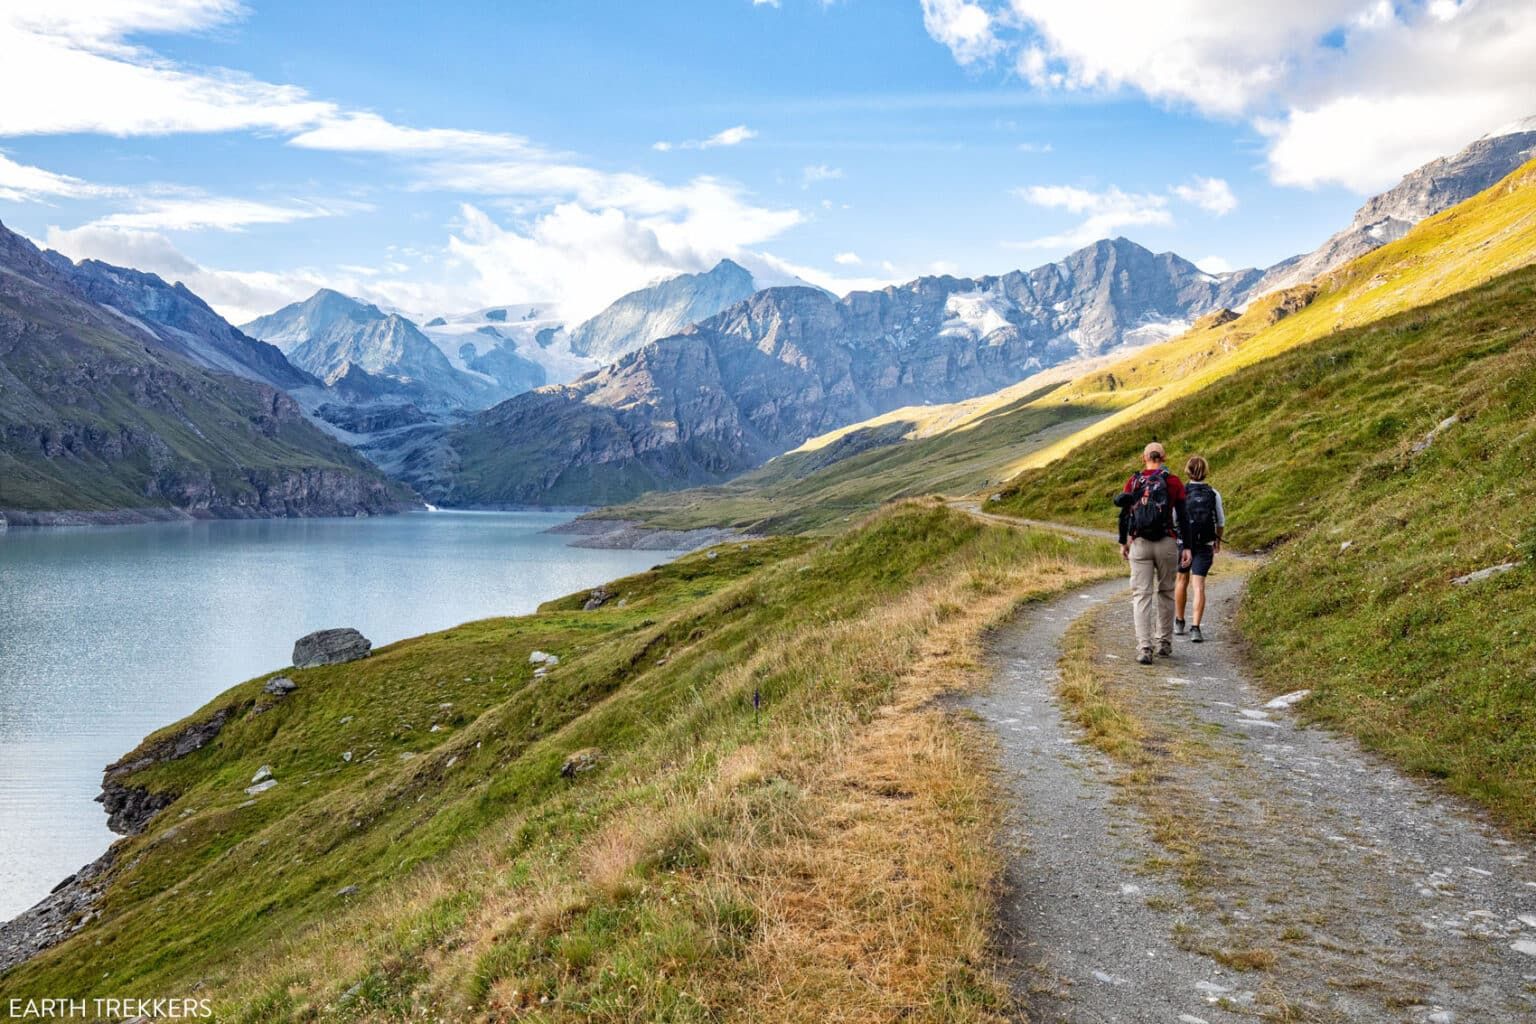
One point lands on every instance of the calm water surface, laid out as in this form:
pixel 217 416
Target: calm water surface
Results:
pixel 108 633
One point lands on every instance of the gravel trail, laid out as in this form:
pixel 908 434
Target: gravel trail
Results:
pixel 1330 886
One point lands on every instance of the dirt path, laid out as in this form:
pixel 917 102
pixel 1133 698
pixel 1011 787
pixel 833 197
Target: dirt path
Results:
pixel 1297 878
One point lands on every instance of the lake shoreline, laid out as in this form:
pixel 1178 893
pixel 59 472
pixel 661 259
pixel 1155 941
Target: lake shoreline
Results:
pixel 43 519
pixel 266 581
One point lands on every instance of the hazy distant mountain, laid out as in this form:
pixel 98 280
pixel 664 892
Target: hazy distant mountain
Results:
pixel 659 310
pixel 328 334
pixel 789 363
pixel 105 415
pixel 1438 185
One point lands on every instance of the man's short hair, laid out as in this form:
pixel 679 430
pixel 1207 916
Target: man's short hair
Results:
pixel 1196 468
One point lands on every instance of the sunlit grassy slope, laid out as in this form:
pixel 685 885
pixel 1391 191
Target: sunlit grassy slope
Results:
pixel 1329 454
pixel 967 446
pixel 830 859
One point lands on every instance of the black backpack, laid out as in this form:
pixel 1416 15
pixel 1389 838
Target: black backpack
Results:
pixel 1200 512
pixel 1151 508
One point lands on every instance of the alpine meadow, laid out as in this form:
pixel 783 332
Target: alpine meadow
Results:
pixel 953 511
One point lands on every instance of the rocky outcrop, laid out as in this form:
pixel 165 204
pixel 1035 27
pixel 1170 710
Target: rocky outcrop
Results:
pixel 129 807
pixel 330 647
pixel 580 762
pixel 68 908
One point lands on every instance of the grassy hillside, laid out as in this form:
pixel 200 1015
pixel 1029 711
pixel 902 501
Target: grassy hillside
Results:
pixel 1345 454
pixel 828 859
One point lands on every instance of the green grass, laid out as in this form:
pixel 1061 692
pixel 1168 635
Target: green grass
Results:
pixel 654 886
pixel 1313 451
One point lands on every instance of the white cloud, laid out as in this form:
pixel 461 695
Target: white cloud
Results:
pixel 733 136
pixel 1035 147
pixel 78 72
pixel 1215 265
pixel 582 235
pixel 966 28
pixel 815 173
pixel 1350 92
pixel 837 284
pixel 729 137
pixel 847 259
pixel 364 132
pixel 1104 213
pixel 604 234
pixel 25 183
pixel 1213 195
pixel 218 213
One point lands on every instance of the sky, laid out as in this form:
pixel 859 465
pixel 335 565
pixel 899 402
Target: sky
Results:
pixel 443 158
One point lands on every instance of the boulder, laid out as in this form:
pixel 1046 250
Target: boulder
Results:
pixel 598 598
pixel 580 762
pixel 260 787
pixel 280 686
pixel 262 774
pixel 330 647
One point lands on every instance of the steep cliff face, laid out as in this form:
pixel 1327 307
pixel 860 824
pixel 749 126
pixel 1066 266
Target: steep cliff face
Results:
pixel 787 364
pixel 103 418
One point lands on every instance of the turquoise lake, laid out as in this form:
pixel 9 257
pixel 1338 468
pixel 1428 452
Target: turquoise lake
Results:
pixel 109 633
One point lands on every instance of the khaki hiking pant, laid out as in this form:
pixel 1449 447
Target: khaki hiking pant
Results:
pixel 1154 567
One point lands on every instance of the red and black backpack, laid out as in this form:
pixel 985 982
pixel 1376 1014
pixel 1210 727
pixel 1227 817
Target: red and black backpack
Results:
pixel 1150 515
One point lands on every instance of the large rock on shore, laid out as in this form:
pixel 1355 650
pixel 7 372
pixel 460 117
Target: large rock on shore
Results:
pixel 330 647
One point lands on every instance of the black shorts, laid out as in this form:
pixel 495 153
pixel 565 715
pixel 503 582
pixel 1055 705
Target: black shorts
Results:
pixel 1200 558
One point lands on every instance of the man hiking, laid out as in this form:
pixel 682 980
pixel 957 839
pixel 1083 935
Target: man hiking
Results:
pixel 1207 522
pixel 1152 518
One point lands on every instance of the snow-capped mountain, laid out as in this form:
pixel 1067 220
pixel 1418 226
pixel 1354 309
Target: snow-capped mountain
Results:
pixel 786 364
pixel 333 336
pixel 661 309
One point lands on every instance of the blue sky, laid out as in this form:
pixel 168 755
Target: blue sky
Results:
pixel 452 156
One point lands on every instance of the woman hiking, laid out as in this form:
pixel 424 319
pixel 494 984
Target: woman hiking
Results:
pixel 1151 522
pixel 1207 522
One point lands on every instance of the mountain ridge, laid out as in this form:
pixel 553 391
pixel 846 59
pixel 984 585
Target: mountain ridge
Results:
pixel 788 363
pixel 102 419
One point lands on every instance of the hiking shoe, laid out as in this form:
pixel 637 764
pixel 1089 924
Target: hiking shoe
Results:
pixel 1178 627
pixel 1144 658
pixel 1194 635
pixel 1165 651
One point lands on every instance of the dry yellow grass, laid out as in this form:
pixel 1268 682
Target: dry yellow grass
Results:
pixel 837 863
